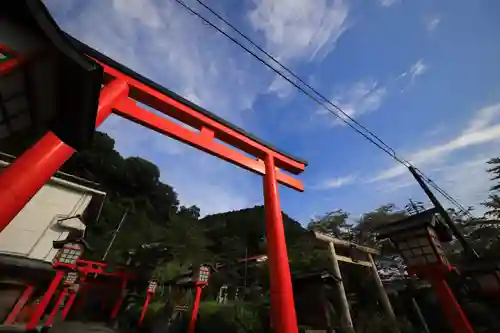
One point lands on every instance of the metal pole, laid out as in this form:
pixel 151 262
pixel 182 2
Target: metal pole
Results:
pixel 32 169
pixel 344 304
pixel 469 250
pixel 114 235
pixel 283 316
pixel 384 299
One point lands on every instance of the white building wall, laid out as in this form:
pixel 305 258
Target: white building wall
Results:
pixel 33 230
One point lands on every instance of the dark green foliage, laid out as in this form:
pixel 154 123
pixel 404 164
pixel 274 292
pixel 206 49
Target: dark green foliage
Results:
pixel 331 222
pixel 493 202
pixel 155 215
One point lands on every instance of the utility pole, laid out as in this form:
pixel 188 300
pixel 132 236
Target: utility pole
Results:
pixel 469 250
pixel 115 233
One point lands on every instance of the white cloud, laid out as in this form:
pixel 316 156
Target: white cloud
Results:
pixel 165 43
pixel 362 97
pixel 297 29
pixel 143 11
pixel 480 130
pixel 417 69
pixel 468 182
pixel 484 117
pixel 336 182
pixel 431 22
pixel 388 3
pixel 281 87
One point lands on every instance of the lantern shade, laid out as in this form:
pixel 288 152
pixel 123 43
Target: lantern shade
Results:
pixel 71 278
pixel 152 286
pixel 54 86
pixel 417 240
pixel 69 254
pixel 416 222
pixel 203 274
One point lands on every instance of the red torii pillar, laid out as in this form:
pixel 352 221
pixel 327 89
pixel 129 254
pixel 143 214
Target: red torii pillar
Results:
pixel 283 314
pixel 27 174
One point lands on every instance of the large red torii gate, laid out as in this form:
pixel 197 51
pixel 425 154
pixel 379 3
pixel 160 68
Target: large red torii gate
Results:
pixel 122 90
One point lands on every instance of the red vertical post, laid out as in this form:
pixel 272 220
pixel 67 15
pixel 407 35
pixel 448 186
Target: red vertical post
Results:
pixel 283 317
pixel 194 313
pixel 21 302
pixel 81 291
pixel 68 305
pixel 40 309
pixel 56 308
pixel 144 308
pixel 452 310
pixel 31 170
pixel 119 301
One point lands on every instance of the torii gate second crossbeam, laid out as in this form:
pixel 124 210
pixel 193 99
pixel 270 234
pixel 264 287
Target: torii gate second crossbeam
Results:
pixel 122 91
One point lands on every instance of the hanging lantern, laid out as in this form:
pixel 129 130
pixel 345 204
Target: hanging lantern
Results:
pixel 68 255
pixel 418 239
pixel 420 247
pixel 203 275
pixel 71 278
pixel 152 286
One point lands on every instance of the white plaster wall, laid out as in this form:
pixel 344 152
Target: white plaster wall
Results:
pixel 33 230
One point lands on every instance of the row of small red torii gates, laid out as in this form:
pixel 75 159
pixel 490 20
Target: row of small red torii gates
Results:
pixel 121 91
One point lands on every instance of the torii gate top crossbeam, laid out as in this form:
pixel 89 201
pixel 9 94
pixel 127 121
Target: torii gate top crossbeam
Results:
pixel 210 127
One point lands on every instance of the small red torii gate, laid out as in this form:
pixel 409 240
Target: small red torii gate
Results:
pixel 121 92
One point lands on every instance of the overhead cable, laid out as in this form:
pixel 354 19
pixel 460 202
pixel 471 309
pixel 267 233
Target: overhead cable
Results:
pixel 315 95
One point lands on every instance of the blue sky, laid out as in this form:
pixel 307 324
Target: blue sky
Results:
pixel 424 75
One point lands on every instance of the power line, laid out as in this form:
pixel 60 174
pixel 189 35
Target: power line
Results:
pixel 381 146
pixel 365 132
pixel 393 153
pixel 444 193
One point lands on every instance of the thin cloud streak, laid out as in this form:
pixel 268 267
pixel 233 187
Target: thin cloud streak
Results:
pixel 479 131
pixel 304 30
pixel 431 22
pixel 334 183
pixel 362 97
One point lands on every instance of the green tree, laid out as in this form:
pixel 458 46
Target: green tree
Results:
pixel 493 202
pixel 334 222
pixel 370 221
